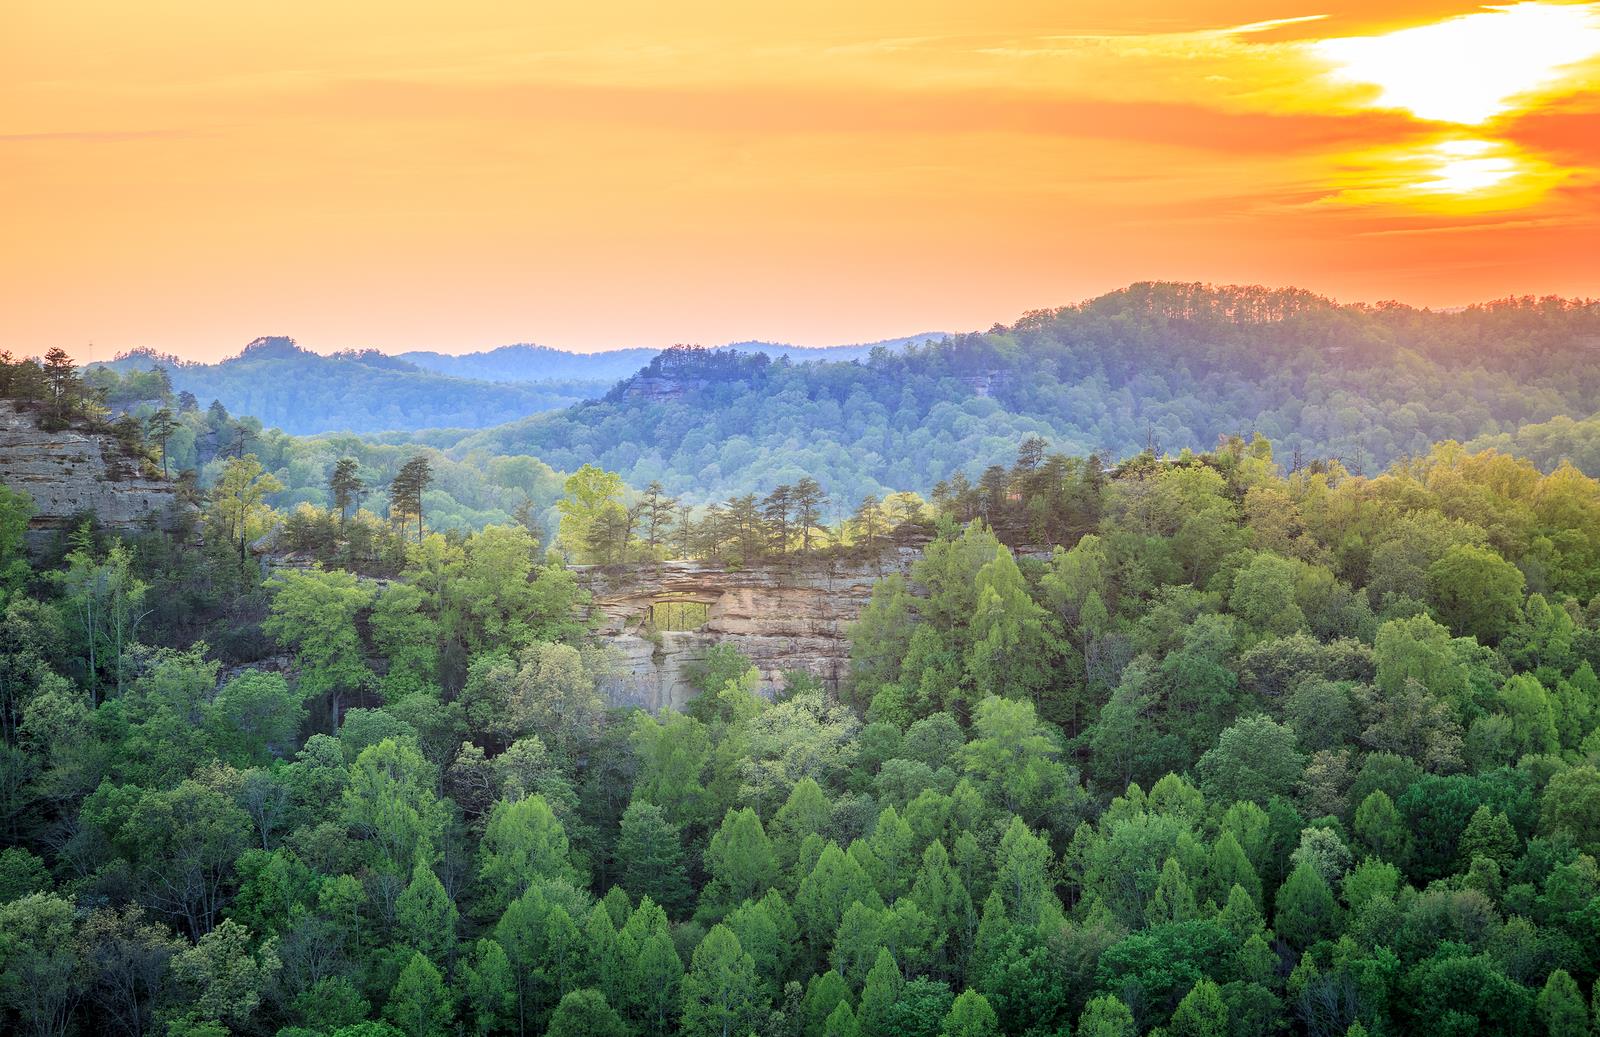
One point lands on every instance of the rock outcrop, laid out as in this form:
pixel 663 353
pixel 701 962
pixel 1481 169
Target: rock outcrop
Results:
pixel 782 615
pixel 70 471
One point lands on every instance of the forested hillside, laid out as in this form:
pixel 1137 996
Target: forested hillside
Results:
pixel 1225 751
pixel 1173 366
pixel 301 392
pixel 528 363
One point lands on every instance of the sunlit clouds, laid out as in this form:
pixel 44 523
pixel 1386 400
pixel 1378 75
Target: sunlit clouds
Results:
pixel 630 173
pixel 1470 69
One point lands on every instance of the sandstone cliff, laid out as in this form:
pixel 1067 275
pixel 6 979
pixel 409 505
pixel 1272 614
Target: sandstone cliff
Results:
pixel 783 616
pixel 72 471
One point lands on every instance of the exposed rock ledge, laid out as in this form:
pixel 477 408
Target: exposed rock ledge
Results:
pixel 71 471
pixel 783 616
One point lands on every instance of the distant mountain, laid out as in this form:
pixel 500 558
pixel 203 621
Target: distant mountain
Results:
pixel 1171 365
pixel 529 363
pixel 363 391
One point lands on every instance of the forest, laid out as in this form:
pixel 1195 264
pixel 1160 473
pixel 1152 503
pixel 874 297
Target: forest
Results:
pixel 1176 742
pixel 364 391
pixel 1162 366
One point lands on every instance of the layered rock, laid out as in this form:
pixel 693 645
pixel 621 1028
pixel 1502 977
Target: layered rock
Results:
pixel 783 616
pixel 70 472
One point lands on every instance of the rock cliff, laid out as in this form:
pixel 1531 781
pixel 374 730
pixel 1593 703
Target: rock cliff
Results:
pixel 71 471
pixel 782 615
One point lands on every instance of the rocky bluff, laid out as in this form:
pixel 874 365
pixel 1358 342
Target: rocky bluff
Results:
pixel 789 614
pixel 72 471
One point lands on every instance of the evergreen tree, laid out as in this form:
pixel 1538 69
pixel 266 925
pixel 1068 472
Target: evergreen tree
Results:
pixel 650 853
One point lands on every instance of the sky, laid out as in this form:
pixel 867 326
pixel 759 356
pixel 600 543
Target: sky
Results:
pixel 187 176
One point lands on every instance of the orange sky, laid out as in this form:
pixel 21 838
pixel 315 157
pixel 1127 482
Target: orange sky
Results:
pixel 189 175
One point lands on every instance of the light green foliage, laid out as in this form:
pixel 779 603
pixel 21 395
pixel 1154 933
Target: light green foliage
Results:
pixel 419 1004
pixel 721 988
pixel 228 973
pixel 426 917
pixel 16 508
pixel 1106 1016
pixel 314 612
pixel 585 1013
pixel 593 502
pixel 523 841
pixel 1201 1013
pixel 1476 592
pixel 970 1016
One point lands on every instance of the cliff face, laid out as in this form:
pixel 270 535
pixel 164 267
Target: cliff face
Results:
pixel 70 471
pixel 781 616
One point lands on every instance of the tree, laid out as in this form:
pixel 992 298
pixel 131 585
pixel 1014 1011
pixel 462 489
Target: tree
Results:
pixel 39 966
pixel 970 1016
pixel 1379 825
pixel 226 975
pixel 522 841
pixel 1105 1016
pixel 809 500
pixel 1571 806
pixel 425 916
pixel 346 487
pixel 419 1004
pixel 1306 911
pixel 878 995
pixel 160 426
pixel 254 718
pixel 126 961
pixel 741 863
pixel 1255 759
pixel 314 611
pixel 180 844
pixel 406 490
pixel 1201 1013
pixel 238 512
pixel 1475 592
pixel 720 990
pixel 1561 1006
pixel 868 523
pixel 62 383
pixel 657 516
pixel 106 602
pixel 650 852
pixel 490 989
pixel 1013 648
pixel 585 1013
pixel 593 499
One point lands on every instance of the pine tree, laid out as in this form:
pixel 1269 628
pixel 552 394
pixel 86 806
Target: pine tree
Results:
pixel 160 428
pixel 346 487
pixel 405 492
pixel 808 501
pixel 882 990
pixel 776 510
pixel 650 852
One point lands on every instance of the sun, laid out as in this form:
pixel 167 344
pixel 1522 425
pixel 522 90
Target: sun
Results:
pixel 1470 69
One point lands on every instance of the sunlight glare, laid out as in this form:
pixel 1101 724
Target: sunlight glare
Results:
pixel 1469 69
